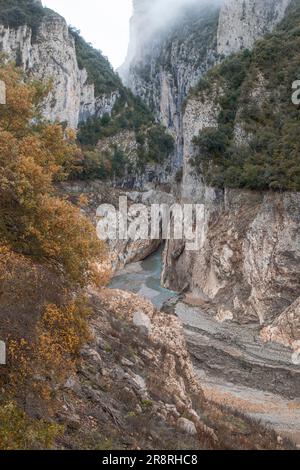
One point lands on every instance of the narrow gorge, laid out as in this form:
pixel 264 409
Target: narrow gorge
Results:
pixel 189 349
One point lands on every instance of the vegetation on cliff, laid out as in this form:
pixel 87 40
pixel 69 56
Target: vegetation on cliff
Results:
pixel 153 143
pixel 129 113
pixel 15 13
pixel 100 72
pixel 255 89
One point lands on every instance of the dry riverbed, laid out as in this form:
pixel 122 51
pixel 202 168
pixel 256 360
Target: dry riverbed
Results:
pixel 235 367
pixel 238 370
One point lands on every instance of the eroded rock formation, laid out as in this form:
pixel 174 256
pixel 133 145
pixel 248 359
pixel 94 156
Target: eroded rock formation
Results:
pixel 49 54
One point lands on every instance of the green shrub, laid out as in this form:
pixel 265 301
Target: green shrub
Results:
pixel 271 157
pixel 129 113
pixel 20 432
pixel 100 72
pixel 160 144
pixel 15 13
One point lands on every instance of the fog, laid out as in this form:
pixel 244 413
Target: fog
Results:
pixel 155 17
pixel 162 13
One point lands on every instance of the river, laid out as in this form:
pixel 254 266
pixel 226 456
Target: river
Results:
pixel 234 366
pixel 143 278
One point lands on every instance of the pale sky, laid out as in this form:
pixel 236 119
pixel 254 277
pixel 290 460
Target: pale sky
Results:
pixel 104 23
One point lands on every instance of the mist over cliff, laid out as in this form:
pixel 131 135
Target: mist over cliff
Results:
pixel 161 13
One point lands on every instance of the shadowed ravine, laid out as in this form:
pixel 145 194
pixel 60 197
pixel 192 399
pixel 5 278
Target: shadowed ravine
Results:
pixel 234 366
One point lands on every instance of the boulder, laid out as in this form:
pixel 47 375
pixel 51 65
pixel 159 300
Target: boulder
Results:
pixel 142 322
pixel 186 426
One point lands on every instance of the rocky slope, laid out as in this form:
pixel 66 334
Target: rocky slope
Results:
pixel 136 388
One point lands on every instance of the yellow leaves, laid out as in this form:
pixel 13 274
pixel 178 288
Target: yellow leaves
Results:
pixel 20 432
pixel 15 116
pixel 34 155
pixel 43 324
pixel 61 333
pixel 83 200
pixel 61 149
pixel 45 359
pixel 65 236
pixel 19 364
pixel 65 328
pixel 70 135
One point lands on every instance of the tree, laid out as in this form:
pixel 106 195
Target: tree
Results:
pixel 35 154
pixel 49 252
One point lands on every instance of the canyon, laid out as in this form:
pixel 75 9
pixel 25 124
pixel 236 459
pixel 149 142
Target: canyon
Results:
pixel 217 330
pixel 250 240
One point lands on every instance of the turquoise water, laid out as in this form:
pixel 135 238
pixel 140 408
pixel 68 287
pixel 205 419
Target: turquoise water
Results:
pixel 144 279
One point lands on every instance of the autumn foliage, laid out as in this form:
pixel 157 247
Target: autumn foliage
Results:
pixel 34 154
pixel 49 252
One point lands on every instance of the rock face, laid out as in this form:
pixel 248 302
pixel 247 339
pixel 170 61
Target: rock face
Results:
pixel 51 55
pixel 142 322
pixel 241 23
pixel 187 426
pixel 286 328
pixel 198 114
pixel 248 261
pixel 167 57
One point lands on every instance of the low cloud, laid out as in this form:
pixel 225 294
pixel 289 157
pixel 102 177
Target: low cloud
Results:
pixel 162 13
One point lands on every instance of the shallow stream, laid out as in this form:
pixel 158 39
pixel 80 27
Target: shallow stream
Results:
pixel 143 278
pixel 234 366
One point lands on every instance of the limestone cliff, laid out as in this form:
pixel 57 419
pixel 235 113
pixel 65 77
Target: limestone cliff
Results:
pixel 249 257
pixel 248 261
pixel 241 23
pixel 164 62
pixel 168 56
pixel 47 51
